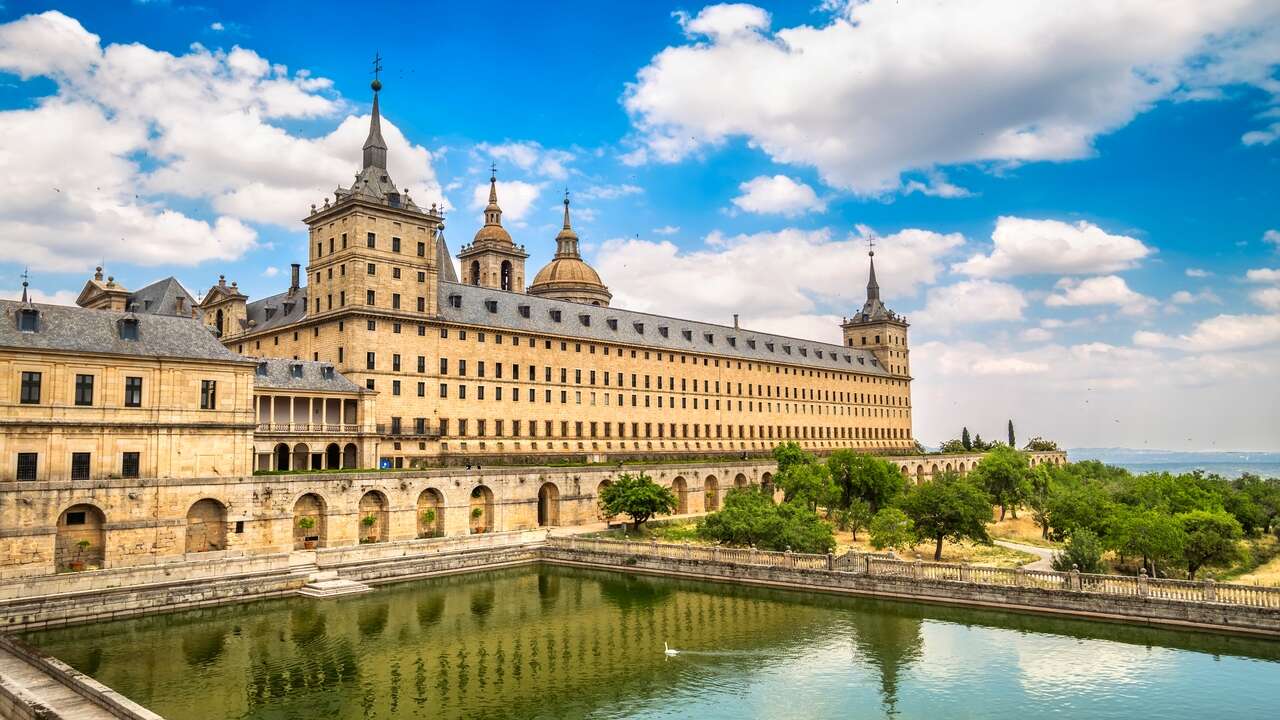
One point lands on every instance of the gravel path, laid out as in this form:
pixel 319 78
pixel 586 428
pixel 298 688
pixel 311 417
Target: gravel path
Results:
pixel 1045 554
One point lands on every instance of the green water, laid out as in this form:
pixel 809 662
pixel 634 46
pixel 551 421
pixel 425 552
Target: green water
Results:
pixel 558 643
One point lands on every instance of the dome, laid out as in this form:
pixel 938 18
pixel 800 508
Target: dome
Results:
pixel 493 233
pixel 567 270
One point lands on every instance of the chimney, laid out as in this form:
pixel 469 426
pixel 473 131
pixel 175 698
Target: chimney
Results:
pixel 735 321
pixel 293 282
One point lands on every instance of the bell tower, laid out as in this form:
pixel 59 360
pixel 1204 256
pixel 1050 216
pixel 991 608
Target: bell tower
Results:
pixel 878 329
pixel 492 259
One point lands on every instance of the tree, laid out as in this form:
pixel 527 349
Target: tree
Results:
pixel 788 454
pixel 859 476
pixel 1073 503
pixel 948 507
pixel 1154 536
pixel 1083 552
pixel 808 484
pixel 977 443
pixel 1012 442
pixel 1039 444
pixel 853 518
pixel 750 517
pixel 1040 481
pixel 637 496
pixel 953 446
pixel 891 528
pixel 1004 474
pixel 1211 539
pixel 965 440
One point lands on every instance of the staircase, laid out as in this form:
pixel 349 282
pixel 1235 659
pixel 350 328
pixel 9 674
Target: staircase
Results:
pixel 326 584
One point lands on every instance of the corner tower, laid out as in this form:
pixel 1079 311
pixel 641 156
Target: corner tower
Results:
pixel 879 329
pixel 567 276
pixel 372 247
pixel 492 259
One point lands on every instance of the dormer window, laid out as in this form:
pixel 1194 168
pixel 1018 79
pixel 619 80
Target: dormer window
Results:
pixel 862 361
pixel 663 330
pixel 524 310
pixel 128 328
pixel 751 344
pixel 270 313
pixel 769 346
pixel 733 342
pixel 556 315
pixel 639 327
pixel 455 300
pixel 786 349
pixel 688 335
pixel 613 323
pixel 710 338
pixel 326 372
pixel 262 368
pixel 804 352
pixel 491 305
pixel 848 359
pixel 874 363
pixel 295 369
pixel 28 320
pixel 585 320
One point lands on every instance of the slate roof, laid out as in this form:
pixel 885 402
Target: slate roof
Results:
pixel 644 329
pixel 276 310
pixel 160 298
pixel 75 329
pixel 444 262
pixel 277 374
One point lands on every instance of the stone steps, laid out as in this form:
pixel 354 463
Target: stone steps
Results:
pixel 326 584
pixel 47 693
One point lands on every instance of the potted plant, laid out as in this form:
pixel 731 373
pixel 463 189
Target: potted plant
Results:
pixel 368 521
pixel 77 565
pixel 307 523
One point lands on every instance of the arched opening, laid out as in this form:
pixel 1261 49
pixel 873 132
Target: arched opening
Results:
pixel 506 275
pixel 301 457
pixel 681 489
pixel 599 494
pixel 711 493
pixel 373 517
pixel 947 467
pixel 933 472
pixel 206 526
pixel 218 321
pixel 960 468
pixel 740 480
pixel 548 505
pixel 309 522
pixel 282 456
pixel 474 274
pixel 332 456
pixel 80 542
pixel 349 456
pixel 919 474
pixel 481 510
pixel 430 513
pixel 766 483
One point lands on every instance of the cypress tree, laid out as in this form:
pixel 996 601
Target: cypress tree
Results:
pixel 1012 443
pixel 964 439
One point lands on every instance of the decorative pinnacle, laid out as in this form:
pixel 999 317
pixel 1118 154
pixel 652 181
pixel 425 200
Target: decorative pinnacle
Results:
pixel 377 68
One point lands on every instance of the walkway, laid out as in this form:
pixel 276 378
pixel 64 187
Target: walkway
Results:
pixel 43 688
pixel 1045 554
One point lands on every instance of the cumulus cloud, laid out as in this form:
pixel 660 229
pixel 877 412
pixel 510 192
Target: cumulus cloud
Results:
pixel 1036 334
pixel 1022 246
pixel 530 156
pixel 609 192
pixel 778 195
pixel 515 197
pixel 666 230
pixel 1272 236
pixel 1103 290
pixel 271 271
pixel 1267 298
pixel 129 125
pixel 1197 273
pixel 1263 275
pixel 1223 332
pixel 880 90
pixel 59 297
pixel 1186 297
pixel 779 281
pixel 970 302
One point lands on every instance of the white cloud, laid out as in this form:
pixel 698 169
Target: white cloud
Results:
pixel 1036 334
pixel 970 302
pixel 1186 297
pixel 1197 273
pixel 1022 246
pixel 884 88
pixel 935 184
pixel 1224 332
pixel 1267 298
pixel 778 195
pixel 515 197
pixel 666 230
pixel 609 192
pixel 59 297
pixel 774 280
pixel 129 125
pixel 271 271
pixel 1103 290
pixel 1272 236
pixel 530 156
pixel 1263 275
pixel 217 27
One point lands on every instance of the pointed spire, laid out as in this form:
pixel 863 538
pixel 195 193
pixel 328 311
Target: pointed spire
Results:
pixel 873 287
pixel 26 276
pixel 375 148
pixel 493 213
pixel 567 226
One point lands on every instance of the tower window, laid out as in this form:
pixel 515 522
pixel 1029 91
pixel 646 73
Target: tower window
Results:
pixel 373 240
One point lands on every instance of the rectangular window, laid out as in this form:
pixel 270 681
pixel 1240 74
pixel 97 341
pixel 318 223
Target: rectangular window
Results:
pixel 422 304
pixel 129 465
pixel 208 394
pixel 27 465
pixel 395 387
pixel 395 362
pixel 369 297
pixel 444 390
pixel 369 360
pixel 444 366
pixel 31 388
pixel 422 252
pixel 84 389
pixel 395 244
pixel 133 392
pixel 80 466
pixel 372 240
pixel 395 301
pixel 371 269
pixel 422 389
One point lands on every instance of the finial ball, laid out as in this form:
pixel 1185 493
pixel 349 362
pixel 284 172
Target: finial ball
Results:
pixel 376 85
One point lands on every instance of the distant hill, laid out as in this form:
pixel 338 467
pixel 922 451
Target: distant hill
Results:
pixel 1227 464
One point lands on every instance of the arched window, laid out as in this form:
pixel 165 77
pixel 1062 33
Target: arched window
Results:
pixel 475 272
pixel 218 321
pixel 506 275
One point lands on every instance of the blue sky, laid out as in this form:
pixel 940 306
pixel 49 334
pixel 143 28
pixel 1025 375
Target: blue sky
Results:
pixel 1075 204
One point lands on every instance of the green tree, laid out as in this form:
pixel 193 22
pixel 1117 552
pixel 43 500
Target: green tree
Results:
pixel 638 497
pixel 891 528
pixel 788 454
pixel 1004 474
pixel 853 518
pixel 1083 551
pixel 948 507
pixel 1012 442
pixel 1156 537
pixel 1072 504
pixel 1264 495
pixel 1041 445
pixel 953 446
pixel 808 484
pixel 859 476
pixel 977 443
pixel 750 517
pixel 1212 537
pixel 965 440
pixel 1041 481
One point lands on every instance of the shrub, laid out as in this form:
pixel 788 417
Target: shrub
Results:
pixel 1083 551
pixel 750 517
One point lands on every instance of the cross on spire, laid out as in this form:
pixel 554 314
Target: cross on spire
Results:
pixel 871 245
pixel 377 64
pixel 493 171
pixel 26 275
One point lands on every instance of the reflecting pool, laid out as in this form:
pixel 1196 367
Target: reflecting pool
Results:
pixel 550 642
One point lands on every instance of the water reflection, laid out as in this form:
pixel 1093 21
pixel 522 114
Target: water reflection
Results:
pixel 552 642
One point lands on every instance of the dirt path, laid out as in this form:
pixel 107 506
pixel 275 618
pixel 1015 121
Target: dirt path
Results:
pixel 1045 554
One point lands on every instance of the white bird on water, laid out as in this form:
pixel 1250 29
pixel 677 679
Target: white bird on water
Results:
pixel 669 651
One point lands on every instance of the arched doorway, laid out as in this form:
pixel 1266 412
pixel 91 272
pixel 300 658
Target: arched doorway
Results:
pixel 740 480
pixel 681 490
pixel 309 522
pixel 430 513
pixel 282 456
pixel 711 493
pixel 548 505
pixel 599 501
pixel 481 510
pixel 80 542
pixel 332 456
pixel 301 457
pixel 349 456
pixel 206 526
pixel 373 517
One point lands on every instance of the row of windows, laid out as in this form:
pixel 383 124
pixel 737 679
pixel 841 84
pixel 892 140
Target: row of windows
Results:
pixel 33 382
pixel 28 465
pixel 463 427
pixel 371 241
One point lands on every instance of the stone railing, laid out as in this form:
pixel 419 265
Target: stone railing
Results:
pixel 299 428
pixel 886 566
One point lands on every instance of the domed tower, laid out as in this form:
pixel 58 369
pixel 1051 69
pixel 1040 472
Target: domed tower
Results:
pixel 492 259
pixel 567 277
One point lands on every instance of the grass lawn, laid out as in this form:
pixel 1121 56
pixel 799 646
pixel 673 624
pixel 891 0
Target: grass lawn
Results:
pixel 1023 530
pixel 974 554
pixel 1262 568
